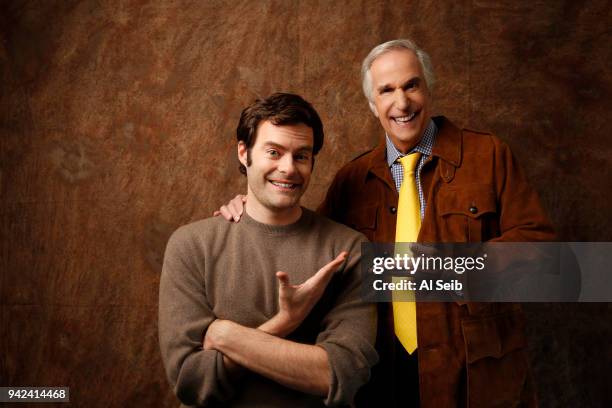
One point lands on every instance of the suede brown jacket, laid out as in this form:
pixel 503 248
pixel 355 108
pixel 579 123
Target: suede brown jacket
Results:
pixel 469 354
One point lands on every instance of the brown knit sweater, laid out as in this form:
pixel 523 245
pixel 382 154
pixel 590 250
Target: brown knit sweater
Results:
pixel 216 269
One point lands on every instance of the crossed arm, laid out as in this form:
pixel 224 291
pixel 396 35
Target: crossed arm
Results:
pixel 263 350
pixel 204 355
pixel 302 367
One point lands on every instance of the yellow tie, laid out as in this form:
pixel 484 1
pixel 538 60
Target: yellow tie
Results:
pixel 407 230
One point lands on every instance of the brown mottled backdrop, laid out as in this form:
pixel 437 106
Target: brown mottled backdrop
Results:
pixel 117 125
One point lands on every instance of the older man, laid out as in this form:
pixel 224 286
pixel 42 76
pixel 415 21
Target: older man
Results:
pixel 429 181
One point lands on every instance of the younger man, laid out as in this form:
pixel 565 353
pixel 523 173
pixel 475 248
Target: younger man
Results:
pixel 231 332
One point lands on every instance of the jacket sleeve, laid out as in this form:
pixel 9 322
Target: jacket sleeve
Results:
pixel 198 376
pixel 348 336
pixel 522 218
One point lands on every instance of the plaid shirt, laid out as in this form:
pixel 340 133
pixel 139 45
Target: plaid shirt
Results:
pixel 424 147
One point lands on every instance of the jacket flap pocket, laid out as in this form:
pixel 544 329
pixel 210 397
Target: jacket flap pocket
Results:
pixel 494 336
pixel 472 200
pixel 363 218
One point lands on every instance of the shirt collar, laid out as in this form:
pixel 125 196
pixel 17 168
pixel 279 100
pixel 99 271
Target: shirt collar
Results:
pixel 424 147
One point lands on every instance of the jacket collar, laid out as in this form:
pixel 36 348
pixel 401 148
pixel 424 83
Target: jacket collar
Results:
pixel 449 141
pixel 378 164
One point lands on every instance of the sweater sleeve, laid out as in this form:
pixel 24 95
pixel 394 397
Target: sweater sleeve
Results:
pixel 348 336
pixel 198 376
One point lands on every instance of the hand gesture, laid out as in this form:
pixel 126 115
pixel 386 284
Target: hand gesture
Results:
pixel 232 211
pixel 296 301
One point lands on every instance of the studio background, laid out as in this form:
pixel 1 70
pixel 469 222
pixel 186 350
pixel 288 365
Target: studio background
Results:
pixel 117 125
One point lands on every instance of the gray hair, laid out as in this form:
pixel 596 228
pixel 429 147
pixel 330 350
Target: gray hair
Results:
pixel 401 44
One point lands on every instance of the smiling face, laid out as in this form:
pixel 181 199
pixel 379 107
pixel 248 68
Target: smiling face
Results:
pixel 400 97
pixel 278 169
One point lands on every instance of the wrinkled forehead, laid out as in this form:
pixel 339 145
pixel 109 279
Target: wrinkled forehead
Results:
pixel 396 65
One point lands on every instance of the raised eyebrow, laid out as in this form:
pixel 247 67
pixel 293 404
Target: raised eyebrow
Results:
pixel 275 145
pixel 307 148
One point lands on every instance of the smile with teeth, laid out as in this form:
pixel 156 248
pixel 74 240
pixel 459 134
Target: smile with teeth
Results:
pixel 283 185
pixel 406 118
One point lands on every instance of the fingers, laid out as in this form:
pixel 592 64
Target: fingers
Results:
pixel 419 247
pixel 224 211
pixel 326 272
pixel 236 207
pixel 283 278
pixel 319 279
pixel 232 211
pixel 339 259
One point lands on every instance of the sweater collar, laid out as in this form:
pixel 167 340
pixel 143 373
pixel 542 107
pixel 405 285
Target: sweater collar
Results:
pixel 289 229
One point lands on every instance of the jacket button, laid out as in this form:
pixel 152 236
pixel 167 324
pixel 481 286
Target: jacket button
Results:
pixel 393 210
pixel 473 209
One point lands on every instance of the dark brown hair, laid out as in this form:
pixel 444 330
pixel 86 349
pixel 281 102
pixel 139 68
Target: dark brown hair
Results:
pixel 279 109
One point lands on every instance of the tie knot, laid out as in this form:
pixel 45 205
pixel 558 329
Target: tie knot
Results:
pixel 409 162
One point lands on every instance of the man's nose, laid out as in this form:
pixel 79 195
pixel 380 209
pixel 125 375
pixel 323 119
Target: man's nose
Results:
pixel 286 164
pixel 401 100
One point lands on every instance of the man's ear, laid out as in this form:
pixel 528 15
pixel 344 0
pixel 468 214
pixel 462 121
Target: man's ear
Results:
pixel 373 108
pixel 242 153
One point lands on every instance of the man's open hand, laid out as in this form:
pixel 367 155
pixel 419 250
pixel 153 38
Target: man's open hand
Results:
pixel 296 301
